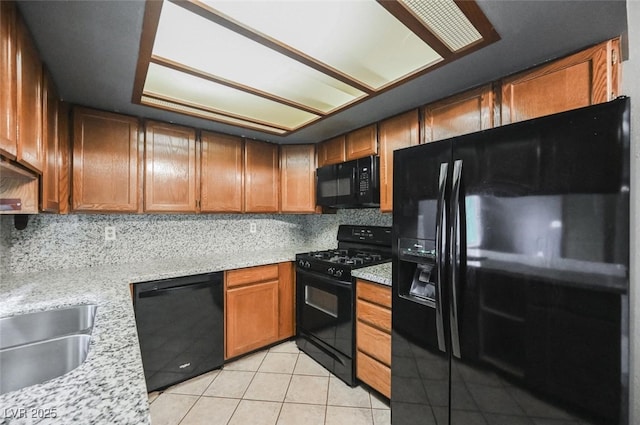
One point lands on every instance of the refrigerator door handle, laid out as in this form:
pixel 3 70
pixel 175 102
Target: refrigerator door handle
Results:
pixel 441 235
pixel 454 255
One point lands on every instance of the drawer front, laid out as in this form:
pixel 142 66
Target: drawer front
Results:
pixel 374 342
pixel 377 294
pixel 251 275
pixel 374 374
pixel 374 315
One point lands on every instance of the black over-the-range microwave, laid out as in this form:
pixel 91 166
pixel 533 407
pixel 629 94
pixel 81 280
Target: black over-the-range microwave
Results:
pixel 351 184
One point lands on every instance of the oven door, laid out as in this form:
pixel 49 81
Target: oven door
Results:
pixel 325 311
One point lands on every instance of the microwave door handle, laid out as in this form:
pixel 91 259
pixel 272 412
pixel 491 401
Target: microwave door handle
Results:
pixel 454 255
pixel 441 235
pixel 355 193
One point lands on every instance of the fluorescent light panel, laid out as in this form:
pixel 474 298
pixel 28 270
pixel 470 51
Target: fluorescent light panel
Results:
pixel 295 61
pixel 178 85
pixel 217 51
pixel 357 38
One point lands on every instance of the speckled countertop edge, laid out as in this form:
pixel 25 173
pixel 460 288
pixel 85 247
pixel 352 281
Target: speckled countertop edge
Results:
pixel 380 273
pixel 109 387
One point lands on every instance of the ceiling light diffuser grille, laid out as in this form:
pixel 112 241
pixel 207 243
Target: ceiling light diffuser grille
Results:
pixel 278 66
pixel 446 20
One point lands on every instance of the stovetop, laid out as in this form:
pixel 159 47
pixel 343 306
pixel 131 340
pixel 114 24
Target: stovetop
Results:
pixel 358 246
pixel 350 257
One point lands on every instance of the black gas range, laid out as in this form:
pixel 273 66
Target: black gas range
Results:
pixel 358 246
pixel 325 307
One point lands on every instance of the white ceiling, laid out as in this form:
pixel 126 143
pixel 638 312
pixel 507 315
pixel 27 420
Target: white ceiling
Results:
pixel 91 49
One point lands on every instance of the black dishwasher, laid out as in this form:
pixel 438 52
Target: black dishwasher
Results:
pixel 180 327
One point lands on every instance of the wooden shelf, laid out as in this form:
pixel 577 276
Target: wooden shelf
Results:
pixel 18 190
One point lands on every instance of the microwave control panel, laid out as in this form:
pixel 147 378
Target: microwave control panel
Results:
pixel 364 181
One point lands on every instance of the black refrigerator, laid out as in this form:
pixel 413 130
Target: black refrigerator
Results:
pixel 511 274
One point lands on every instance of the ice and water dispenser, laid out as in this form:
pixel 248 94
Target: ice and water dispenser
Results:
pixel 418 273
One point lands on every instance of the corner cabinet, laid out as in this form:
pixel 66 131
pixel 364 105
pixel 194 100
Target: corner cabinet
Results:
pixel 171 168
pixel 582 79
pixel 258 307
pixel 362 142
pixel 297 179
pixel 373 335
pixel 394 133
pixel 107 156
pixel 261 177
pixel 50 180
pixel 221 178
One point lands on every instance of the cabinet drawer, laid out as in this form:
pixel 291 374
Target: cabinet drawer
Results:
pixel 374 374
pixel 374 342
pixel 375 315
pixel 377 294
pixel 251 275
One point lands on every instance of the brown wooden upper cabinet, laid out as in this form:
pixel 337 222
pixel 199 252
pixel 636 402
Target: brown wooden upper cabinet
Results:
pixel 362 142
pixel 8 93
pixel 394 133
pixel 463 113
pixel 332 151
pixel 297 179
pixel 221 173
pixel 30 152
pixel 261 178
pixel 106 160
pixel 585 78
pixel 49 182
pixel 171 168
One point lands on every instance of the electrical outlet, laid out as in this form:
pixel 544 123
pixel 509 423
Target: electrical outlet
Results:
pixel 109 233
pixel 253 228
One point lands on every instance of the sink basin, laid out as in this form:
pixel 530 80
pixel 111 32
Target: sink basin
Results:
pixel 32 327
pixel 29 364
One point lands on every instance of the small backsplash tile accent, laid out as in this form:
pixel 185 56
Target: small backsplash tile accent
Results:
pixel 77 240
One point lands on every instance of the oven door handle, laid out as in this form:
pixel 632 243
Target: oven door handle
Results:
pixel 325 279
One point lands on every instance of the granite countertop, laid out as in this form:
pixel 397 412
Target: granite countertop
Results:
pixel 380 273
pixel 109 387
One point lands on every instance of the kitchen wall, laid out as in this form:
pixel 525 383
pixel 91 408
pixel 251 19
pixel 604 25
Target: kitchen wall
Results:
pixel 77 240
pixel 631 87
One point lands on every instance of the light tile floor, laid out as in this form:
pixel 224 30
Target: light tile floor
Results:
pixel 281 385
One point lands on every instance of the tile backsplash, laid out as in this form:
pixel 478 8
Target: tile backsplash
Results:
pixel 77 240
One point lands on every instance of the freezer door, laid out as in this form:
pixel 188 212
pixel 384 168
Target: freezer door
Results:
pixel 538 305
pixel 420 354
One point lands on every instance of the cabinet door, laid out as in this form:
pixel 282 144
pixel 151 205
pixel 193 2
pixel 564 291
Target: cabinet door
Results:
pixel 221 176
pixel 297 178
pixel 395 133
pixel 171 177
pixel 8 94
pixel 49 183
pixel 29 89
pixel 261 190
pixel 585 78
pixel 105 162
pixel 362 142
pixel 251 317
pixel 332 151
pixel 464 113
pixel 286 299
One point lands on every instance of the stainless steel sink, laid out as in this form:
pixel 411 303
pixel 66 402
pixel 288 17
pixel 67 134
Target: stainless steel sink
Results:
pixel 31 327
pixel 36 347
pixel 30 364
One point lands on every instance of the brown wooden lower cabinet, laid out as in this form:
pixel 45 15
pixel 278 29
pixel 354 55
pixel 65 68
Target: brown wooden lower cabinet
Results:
pixel 259 307
pixel 373 335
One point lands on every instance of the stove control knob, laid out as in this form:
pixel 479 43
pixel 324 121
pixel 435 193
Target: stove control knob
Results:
pixel 301 263
pixel 307 264
pixel 331 270
pixel 338 273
